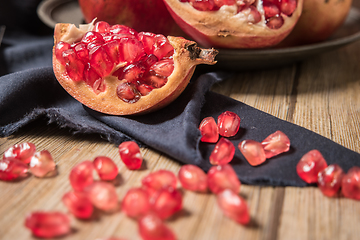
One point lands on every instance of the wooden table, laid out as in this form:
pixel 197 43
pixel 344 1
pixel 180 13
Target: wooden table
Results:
pixel 320 94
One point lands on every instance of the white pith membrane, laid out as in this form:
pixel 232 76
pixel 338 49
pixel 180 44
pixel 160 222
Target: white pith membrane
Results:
pixel 107 101
pixel 226 28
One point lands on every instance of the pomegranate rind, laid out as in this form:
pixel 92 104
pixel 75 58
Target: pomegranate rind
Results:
pixel 224 29
pixel 186 56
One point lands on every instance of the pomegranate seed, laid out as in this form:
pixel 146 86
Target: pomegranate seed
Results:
pixel 220 3
pixel 149 60
pixel 155 81
pixel 74 67
pixel 329 180
pixel 93 79
pixel 222 177
pixel 81 51
pixel 350 186
pixel 59 49
pixel 132 72
pixel 209 130
pixel 48 224
pixel 233 206
pixel 148 41
pixel 162 68
pixel 131 50
pixel 253 16
pixel 288 7
pixel 106 168
pixel 228 123
pixel 112 49
pixel 102 27
pixel 118 29
pixel 100 61
pixel 193 178
pixel 11 169
pixel 166 202
pixel 275 22
pixel 252 151
pixel 22 152
pixel 310 165
pixel 275 144
pixel 102 195
pixel 203 5
pixel 136 203
pixel 151 227
pixel 128 92
pixel 223 152
pixel 162 46
pixel 270 10
pixel 159 179
pixel 92 37
pixel 81 175
pixel 144 89
pixel 78 204
pixel 130 155
pixel 42 164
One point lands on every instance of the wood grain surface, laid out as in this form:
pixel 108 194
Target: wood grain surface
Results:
pixel 320 94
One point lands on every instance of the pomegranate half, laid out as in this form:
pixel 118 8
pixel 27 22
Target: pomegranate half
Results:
pixel 115 70
pixel 236 23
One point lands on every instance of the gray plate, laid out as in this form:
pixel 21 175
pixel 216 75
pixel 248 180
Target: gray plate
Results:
pixel 68 11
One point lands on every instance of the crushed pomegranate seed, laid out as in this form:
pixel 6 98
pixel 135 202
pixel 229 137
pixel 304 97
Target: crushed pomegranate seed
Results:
pixel 310 165
pixel 130 155
pixel 228 123
pixel 253 152
pixel 12 169
pixel 193 178
pixel 223 152
pixel 42 164
pixel 159 179
pixel 81 175
pixel 142 61
pixel 233 206
pixel 78 204
pixel 166 202
pixel 329 180
pixel 103 196
pixel 22 152
pixel 151 227
pixel 275 144
pixel 105 167
pixel 136 203
pixel 222 177
pixel 209 130
pixel 48 224
pixel 350 186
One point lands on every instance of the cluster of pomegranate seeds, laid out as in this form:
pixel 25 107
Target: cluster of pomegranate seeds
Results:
pixel 141 61
pixel 22 152
pixel 350 186
pixel 48 224
pixel 233 206
pixel 273 10
pixel 193 178
pixel 130 155
pixel 310 165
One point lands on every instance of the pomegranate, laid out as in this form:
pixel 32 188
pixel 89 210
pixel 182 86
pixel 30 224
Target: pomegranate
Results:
pixel 311 28
pixel 236 24
pixel 115 70
pixel 141 15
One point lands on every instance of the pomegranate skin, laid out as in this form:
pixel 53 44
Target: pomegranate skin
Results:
pixel 319 20
pixel 140 15
pixel 223 30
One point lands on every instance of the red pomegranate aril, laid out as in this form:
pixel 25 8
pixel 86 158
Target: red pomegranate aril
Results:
pixel 59 49
pixel 131 51
pixel 193 178
pixel 128 92
pixel 92 37
pixel 159 179
pixel 48 224
pixel 106 168
pixel 93 79
pixel 144 89
pixel 350 185
pixel 275 144
pixel 223 152
pixel 329 180
pixel 233 206
pixel 102 27
pixel 42 164
pixel 22 152
pixel 136 203
pixel 270 10
pixel 151 227
pixel 112 49
pixel 130 155
pixel 222 177
pixel 162 68
pixel 81 175
pixel 209 130
pixel 133 72
pixel 121 29
pixel 166 202
pixel 100 61
pixel 253 152
pixel 275 22
pixel 228 123
pixel 78 204
pixel 220 3
pixel 310 165
pixel 162 46
pixel 74 67
pixel 103 196
pixel 149 60
pixel 288 6
pixel 11 169
pixel 203 5
pixel 148 41
pixel 155 81
pixel 82 51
